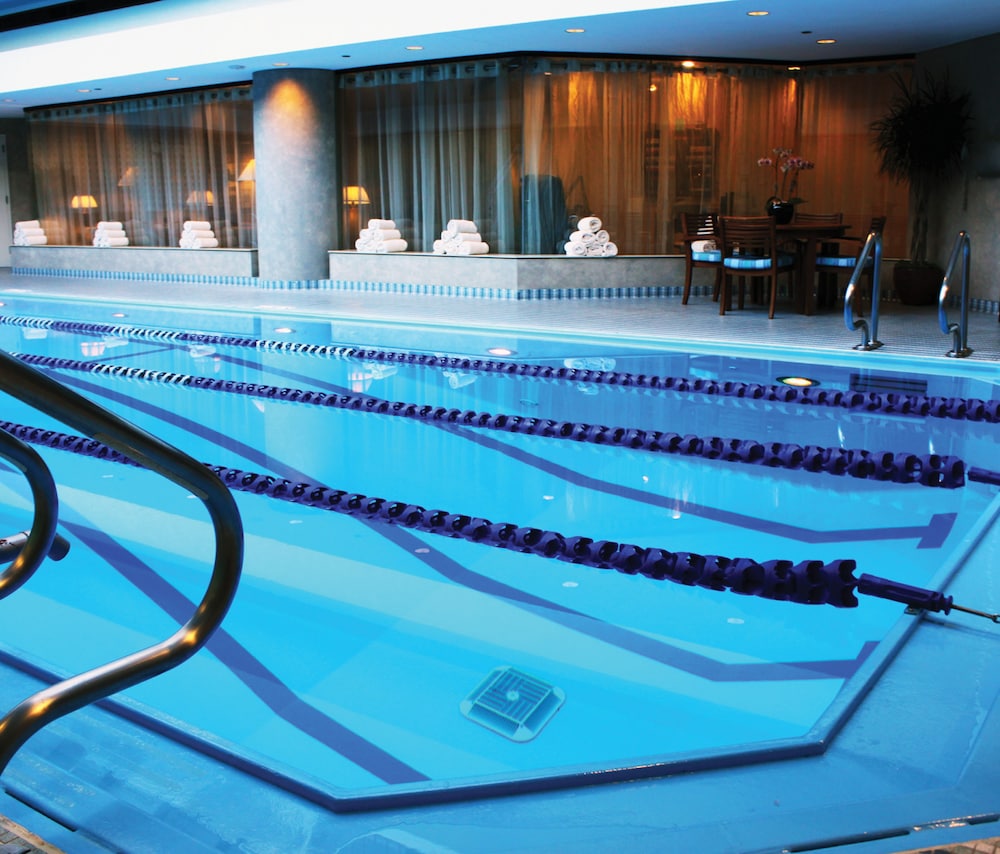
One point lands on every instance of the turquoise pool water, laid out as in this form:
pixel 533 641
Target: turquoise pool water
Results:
pixel 353 659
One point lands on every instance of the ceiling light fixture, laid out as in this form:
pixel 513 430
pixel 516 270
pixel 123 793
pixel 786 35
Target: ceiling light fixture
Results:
pixel 826 41
pixel 688 63
pixel 575 30
pixel 414 47
pixel 758 13
pixel 280 64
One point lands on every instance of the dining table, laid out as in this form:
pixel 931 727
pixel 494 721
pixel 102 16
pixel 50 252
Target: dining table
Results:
pixel 808 235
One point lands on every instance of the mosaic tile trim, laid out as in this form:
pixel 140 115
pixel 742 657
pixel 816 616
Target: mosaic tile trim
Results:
pixel 529 295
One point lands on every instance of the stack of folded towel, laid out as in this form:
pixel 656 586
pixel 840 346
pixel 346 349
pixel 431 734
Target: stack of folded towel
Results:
pixel 110 234
pixel 29 232
pixel 590 240
pixel 198 234
pixel 704 246
pixel 461 237
pixel 380 236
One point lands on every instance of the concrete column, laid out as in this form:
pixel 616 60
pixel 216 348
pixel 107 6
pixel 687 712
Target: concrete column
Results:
pixel 297 172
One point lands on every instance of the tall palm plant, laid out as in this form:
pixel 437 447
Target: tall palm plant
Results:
pixel 921 140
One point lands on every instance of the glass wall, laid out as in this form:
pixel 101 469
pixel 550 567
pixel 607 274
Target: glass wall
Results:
pixel 150 163
pixel 520 145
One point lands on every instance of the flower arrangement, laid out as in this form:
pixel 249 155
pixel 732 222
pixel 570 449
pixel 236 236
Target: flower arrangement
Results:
pixel 786 173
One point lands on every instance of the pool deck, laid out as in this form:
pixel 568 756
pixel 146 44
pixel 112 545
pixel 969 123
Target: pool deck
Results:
pixel 928 780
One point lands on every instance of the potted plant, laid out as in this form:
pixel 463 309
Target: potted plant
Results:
pixel 786 166
pixel 922 140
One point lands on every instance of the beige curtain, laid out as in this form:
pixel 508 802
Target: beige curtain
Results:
pixel 149 163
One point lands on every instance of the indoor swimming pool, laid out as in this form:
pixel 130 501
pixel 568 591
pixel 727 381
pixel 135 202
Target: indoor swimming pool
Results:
pixel 449 585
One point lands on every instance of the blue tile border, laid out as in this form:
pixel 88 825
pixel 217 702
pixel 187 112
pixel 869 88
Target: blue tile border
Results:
pixel 528 295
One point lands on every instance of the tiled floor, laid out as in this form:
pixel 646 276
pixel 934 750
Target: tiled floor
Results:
pixel 904 331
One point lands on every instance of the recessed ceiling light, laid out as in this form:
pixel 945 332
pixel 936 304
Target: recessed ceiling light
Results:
pixel 794 67
pixel 82 90
pixel 575 30
pixel 758 13
pixel 279 64
pixel 688 63
pixel 171 78
pixel 414 47
pixel 826 41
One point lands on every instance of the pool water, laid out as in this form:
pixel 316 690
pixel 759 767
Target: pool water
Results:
pixel 366 661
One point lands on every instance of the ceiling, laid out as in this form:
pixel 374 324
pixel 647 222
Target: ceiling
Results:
pixel 62 52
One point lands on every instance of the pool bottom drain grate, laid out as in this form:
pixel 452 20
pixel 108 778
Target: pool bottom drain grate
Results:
pixel 512 703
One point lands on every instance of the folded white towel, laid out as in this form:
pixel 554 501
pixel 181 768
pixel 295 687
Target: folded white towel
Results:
pixel 199 243
pixel 474 248
pixel 31 240
pixel 193 233
pixel 592 224
pixel 386 246
pixel 110 232
pixel 110 225
pixel 609 250
pixel 575 248
pixel 197 224
pixel 106 242
pixel 381 223
pixel 27 231
pixel 382 234
pixel 459 226
pixel 584 237
pixel 602 236
pixel 439 247
pixel 28 223
pixel 704 246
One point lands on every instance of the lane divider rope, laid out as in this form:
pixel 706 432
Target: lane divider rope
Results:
pixel 933 470
pixel 956 408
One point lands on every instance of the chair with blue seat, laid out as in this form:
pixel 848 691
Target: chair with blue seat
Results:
pixel 841 256
pixel 701 249
pixel 750 251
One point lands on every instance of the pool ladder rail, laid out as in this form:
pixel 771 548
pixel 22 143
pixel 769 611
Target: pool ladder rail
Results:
pixel 959 331
pixel 870 254
pixel 45 394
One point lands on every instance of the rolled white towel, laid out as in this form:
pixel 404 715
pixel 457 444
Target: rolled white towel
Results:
pixel 197 225
pixel 438 247
pixel 27 223
pixel 32 240
pixel 609 250
pixel 110 225
pixel 575 249
pixel 459 226
pixel 385 246
pixel 382 234
pixel 704 246
pixel 381 223
pixel 479 248
pixel 602 236
pixel 110 232
pixel 584 237
pixel 594 250
pixel 106 242
pixel 592 224
pixel 194 233
pixel 28 231
pixel 205 243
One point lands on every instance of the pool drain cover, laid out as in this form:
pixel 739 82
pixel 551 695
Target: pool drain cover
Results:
pixel 513 704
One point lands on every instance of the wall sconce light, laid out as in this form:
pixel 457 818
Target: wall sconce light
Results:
pixel 201 197
pixel 356 196
pixel 249 172
pixel 83 203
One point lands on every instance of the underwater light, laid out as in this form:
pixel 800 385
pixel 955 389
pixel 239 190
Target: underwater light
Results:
pixel 283 330
pixel 501 351
pixel 119 314
pixel 798 382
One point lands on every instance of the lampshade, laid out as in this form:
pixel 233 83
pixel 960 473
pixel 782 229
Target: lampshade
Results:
pixel 201 197
pixel 83 202
pixel 356 196
pixel 249 172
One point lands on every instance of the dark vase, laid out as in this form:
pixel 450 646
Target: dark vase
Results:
pixel 781 211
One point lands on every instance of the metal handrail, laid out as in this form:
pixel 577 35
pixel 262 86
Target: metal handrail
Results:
pixel 39 541
pixel 869 329
pixel 959 331
pixel 47 395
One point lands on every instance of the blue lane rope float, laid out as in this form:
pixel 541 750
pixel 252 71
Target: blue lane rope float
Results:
pixel 809 582
pixel 898 467
pixel 956 408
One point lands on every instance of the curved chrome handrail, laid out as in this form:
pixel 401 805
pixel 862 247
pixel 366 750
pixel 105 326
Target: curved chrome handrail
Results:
pixel 959 331
pixel 869 330
pixel 42 534
pixel 47 395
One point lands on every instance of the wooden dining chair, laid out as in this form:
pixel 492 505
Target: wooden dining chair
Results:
pixel 825 282
pixel 750 251
pixel 701 249
pixel 840 256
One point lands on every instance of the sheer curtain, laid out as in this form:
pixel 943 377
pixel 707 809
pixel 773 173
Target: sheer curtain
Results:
pixel 433 143
pixel 150 163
